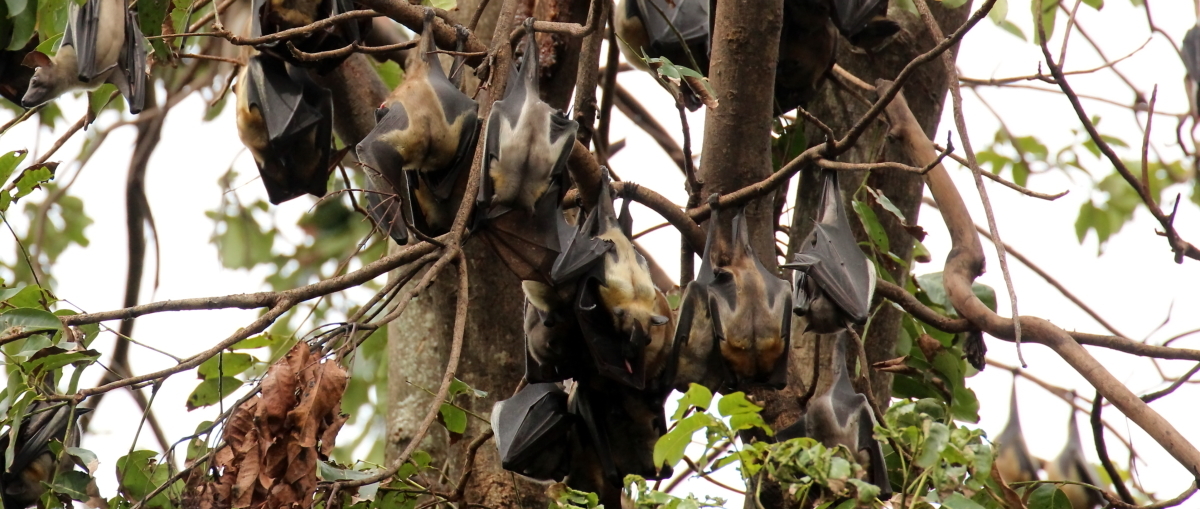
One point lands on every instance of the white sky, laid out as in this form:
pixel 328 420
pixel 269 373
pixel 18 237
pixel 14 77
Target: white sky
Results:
pixel 1133 284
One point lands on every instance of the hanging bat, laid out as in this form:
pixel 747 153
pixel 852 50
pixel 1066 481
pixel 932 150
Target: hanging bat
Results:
pixel 1071 465
pixel 620 426
pixel 807 46
pixel 553 341
pixel 1012 455
pixel 272 16
pixel 531 431
pixel 841 416
pixel 749 307
pixel 528 142
pixel 1190 51
pixel 286 121
pixel 422 142
pixel 834 281
pixel 864 22
pixel 102 44
pixel 696 360
pixel 33 463
pixel 617 305
pixel 678 30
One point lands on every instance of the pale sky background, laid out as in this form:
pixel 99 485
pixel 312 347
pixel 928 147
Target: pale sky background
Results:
pixel 1134 283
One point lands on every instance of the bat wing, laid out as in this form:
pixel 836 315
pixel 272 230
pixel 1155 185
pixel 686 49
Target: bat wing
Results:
pixel 673 25
pixel 591 414
pixel 613 353
pixel 491 153
pixel 385 181
pixel 130 77
pixel 694 359
pixel 532 431
pixel 556 339
pixel 40 429
pixel 831 256
pixel 852 16
pixel 877 470
pixel 85 21
pixel 299 121
pixel 579 252
pixel 562 134
pixel 528 245
pixel 1190 50
pixel 456 107
pixel 1011 447
pixel 622 426
pixel 797 429
pixel 779 302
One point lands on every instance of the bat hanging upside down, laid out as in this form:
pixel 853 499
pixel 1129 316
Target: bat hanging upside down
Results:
pixel 33 463
pixel 422 142
pixel 102 44
pixel 737 309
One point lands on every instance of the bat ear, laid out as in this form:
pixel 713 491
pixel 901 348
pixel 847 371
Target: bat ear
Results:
pixel 36 59
pixel 381 112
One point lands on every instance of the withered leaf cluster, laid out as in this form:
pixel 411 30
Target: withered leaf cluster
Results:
pixel 272 442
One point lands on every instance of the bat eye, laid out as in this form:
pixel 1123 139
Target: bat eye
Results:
pixel 722 275
pixel 380 113
pixel 658 320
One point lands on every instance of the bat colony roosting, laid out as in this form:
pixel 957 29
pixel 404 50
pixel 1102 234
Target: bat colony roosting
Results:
pixel 603 347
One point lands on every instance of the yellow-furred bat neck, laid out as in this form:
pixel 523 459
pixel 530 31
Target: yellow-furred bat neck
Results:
pixel 628 292
pixel 296 13
pixel 251 126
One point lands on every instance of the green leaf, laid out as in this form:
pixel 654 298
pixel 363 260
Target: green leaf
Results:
pixel 935 289
pixel 696 396
pixel 15 7
pixel 670 447
pixel 460 387
pixel 33 177
pixel 871 224
pixel 953 4
pixel 138 474
pixel 965 405
pixel 20 320
pixel 1085 220
pixel 259 341
pixel 99 98
pixel 211 391
pixel 73 484
pixel 735 404
pixel 23 25
pixel 454 418
pixel 329 472
pixel 53 358
pixel 9 162
pixel 85 457
pixel 1048 496
pixel 958 501
pixel 986 294
pixel 999 11
pixel 935 441
pixel 151 14
pixel 443 4
pixel 739 422
pixel 887 204
pixel 390 72
pixel 1048 8
pixel 226 364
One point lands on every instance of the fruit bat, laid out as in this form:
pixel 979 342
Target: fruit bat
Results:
pixel 528 142
pixel 33 463
pixel 1013 459
pixel 807 47
pixel 834 281
pixel 422 142
pixel 616 303
pixel 666 29
pixel 841 416
pixel 286 121
pixel 102 44
pixel 554 349
pixel 748 306
pixel 531 431
pixel 1190 51
pixel 620 426
pixel 1070 465
pixel 864 22
pixel 271 16
pixel 695 359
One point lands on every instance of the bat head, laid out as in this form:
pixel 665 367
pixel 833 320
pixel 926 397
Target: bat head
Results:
pixel 49 79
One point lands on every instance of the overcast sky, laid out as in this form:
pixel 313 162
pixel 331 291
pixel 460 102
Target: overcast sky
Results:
pixel 1134 283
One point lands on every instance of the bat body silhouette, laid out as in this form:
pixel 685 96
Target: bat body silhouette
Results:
pixel 286 122
pixel 841 416
pixel 1071 465
pixel 527 145
pixel 532 431
pixel 271 16
pixel 33 462
pixel 102 44
pixel 422 142
pixel 807 47
pixel 834 281
pixel 864 22
pixel 622 316
pixel 619 426
pixel 679 31
pixel 1013 459
pixel 737 309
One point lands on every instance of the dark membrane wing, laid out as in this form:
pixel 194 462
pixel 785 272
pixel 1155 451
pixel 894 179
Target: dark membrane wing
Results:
pixel 132 64
pixel 614 354
pixel 382 165
pixel 532 431
pixel 581 252
pixel 85 19
pixel 528 245
pixel 623 426
pixel 690 18
pixel 38 429
pixel 877 470
pixel 1190 50
pixel 831 256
